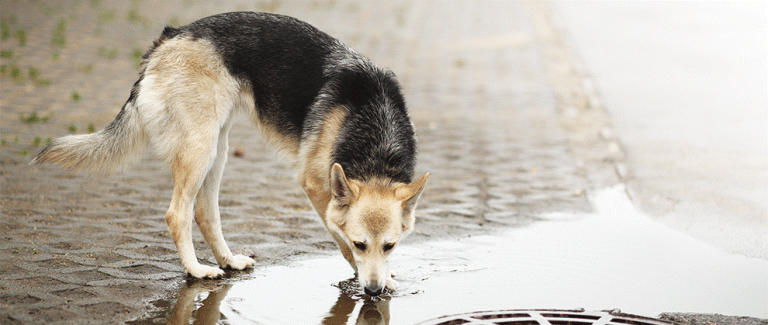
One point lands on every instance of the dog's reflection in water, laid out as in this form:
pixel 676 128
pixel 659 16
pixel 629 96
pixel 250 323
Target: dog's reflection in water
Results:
pixel 375 311
pixel 208 313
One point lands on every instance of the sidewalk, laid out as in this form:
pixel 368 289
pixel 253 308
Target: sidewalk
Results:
pixel 692 117
pixel 504 123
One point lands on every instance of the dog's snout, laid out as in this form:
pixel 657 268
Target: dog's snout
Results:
pixel 373 290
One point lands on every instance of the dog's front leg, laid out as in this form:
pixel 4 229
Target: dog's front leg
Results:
pixel 391 283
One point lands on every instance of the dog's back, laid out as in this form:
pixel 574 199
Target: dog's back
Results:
pixel 294 69
pixel 282 59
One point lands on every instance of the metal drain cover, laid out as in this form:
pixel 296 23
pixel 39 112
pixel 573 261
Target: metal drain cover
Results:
pixel 545 317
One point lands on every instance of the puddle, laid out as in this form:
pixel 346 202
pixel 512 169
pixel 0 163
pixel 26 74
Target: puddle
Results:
pixel 615 258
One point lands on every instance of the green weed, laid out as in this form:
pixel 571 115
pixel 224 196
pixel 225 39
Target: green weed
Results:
pixel 88 68
pixel 103 17
pixel 58 38
pixel 34 118
pixel 34 75
pixel 133 16
pixel 36 142
pixel 91 128
pixel 5 29
pixel 75 96
pixel 16 74
pixel 72 128
pixel 107 53
pixel 21 35
pixel 6 54
pixel 43 82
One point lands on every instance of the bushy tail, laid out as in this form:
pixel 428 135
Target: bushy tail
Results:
pixel 110 150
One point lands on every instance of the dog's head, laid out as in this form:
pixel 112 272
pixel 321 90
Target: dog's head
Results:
pixel 371 218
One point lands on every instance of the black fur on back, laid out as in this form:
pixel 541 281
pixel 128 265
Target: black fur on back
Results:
pixel 281 57
pixel 298 73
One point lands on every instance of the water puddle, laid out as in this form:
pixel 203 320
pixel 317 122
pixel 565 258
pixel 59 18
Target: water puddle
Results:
pixel 614 258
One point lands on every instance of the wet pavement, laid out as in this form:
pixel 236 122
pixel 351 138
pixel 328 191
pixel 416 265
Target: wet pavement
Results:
pixel 692 116
pixel 506 128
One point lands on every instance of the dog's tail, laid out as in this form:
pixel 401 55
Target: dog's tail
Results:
pixel 110 150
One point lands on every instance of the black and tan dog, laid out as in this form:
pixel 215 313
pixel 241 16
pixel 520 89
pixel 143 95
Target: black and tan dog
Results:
pixel 340 119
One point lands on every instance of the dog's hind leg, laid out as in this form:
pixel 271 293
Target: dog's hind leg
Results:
pixel 207 210
pixel 190 165
pixel 186 96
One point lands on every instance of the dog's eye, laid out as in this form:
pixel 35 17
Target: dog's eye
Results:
pixel 388 246
pixel 359 245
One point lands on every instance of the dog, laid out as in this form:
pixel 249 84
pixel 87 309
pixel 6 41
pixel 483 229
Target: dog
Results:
pixel 339 119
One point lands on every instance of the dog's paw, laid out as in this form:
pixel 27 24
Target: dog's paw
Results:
pixel 240 262
pixel 392 284
pixel 205 272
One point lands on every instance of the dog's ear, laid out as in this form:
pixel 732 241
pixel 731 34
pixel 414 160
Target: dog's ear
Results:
pixel 341 193
pixel 410 193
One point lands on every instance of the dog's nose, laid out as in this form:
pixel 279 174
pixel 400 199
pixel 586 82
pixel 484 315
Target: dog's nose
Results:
pixel 373 290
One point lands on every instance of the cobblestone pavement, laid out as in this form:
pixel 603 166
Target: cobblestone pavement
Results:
pixel 507 121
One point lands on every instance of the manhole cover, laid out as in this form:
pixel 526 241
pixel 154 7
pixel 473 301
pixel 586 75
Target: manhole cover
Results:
pixel 545 317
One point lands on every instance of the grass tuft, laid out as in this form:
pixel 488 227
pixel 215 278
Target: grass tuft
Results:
pixel 21 35
pixel 59 39
pixel 5 29
pixel 34 118
pixel 108 53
